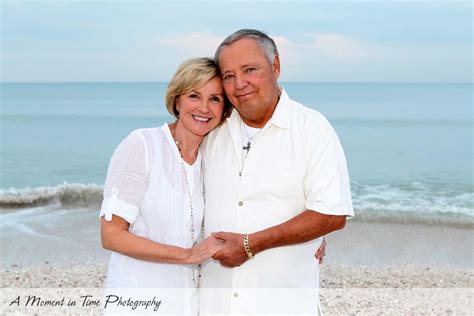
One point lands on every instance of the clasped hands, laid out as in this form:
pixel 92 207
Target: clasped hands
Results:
pixel 232 252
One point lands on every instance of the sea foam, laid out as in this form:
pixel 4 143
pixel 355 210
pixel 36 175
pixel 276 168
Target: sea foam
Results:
pixel 67 195
pixel 403 203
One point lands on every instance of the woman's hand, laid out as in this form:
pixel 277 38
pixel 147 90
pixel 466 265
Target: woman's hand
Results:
pixel 321 252
pixel 204 250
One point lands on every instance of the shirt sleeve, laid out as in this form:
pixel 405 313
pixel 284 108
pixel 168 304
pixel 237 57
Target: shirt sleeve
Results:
pixel 327 188
pixel 126 180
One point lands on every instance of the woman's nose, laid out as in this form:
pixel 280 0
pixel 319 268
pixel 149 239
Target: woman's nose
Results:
pixel 204 107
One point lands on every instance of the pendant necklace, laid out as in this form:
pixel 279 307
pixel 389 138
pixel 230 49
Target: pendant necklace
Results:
pixel 250 140
pixel 247 147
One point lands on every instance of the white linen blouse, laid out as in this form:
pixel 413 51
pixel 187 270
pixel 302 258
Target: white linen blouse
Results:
pixel 146 186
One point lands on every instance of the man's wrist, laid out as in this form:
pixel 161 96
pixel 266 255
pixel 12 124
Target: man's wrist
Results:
pixel 246 244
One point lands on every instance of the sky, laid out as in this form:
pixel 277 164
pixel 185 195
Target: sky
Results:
pixel 318 41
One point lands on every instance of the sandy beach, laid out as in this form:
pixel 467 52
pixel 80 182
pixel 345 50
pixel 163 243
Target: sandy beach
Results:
pixel 370 268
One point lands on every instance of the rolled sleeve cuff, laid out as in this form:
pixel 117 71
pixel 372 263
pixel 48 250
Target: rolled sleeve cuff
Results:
pixel 114 206
pixel 331 209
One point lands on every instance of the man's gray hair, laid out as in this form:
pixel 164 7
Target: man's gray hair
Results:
pixel 266 43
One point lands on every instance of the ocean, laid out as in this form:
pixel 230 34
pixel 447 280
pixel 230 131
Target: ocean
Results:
pixel 408 147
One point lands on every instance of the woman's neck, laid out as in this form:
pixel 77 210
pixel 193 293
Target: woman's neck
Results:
pixel 187 142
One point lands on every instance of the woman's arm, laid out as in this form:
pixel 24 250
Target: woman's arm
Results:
pixel 116 237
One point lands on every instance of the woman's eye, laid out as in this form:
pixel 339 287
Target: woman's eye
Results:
pixel 216 99
pixel 193 96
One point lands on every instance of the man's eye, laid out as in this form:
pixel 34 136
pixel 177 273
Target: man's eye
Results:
pixel 228 77
pixel 250 69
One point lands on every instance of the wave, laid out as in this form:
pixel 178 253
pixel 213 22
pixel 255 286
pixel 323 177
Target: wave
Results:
pixel 66 195
pixel 414 197
pixel 403 203
pixel 441 219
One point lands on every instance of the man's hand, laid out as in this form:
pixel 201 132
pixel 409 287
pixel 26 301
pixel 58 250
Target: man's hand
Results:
pixel 321 252
pixel 232 253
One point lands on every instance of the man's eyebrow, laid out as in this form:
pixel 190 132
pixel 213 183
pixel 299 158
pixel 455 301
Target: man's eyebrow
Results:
pixel 241 67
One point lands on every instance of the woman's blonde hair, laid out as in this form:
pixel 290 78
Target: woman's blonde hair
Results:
pixel 192 74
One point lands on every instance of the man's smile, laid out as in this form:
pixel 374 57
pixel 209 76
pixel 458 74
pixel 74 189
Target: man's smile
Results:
pixel 244 96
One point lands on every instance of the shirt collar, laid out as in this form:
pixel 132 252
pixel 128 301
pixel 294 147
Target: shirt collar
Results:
pixel 280 117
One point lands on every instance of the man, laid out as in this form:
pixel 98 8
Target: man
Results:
pixel 276 182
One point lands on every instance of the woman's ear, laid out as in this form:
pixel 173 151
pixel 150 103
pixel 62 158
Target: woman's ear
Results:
pixel 177 105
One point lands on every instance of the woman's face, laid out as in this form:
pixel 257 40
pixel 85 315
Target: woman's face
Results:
pixel 200 110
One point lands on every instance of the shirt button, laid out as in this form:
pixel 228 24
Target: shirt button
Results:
pixel 236 294
pixel 241 203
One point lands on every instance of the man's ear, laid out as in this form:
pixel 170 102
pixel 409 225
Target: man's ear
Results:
pixel 276 66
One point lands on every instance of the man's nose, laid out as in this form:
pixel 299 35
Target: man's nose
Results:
pixel 240 81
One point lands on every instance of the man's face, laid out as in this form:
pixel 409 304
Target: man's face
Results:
pixel 250 81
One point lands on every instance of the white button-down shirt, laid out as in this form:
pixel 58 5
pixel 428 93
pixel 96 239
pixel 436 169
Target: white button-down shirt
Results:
pixel 295 164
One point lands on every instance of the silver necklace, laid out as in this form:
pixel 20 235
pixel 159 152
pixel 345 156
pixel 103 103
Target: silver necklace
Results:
pixel 196 268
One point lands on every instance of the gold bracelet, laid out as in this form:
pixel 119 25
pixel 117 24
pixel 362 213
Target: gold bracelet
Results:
pixel 247 247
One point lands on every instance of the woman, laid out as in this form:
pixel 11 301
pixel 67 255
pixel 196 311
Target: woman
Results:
pixel 152 213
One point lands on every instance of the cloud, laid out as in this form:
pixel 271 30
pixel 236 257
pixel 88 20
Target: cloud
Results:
pixel 339 47
pixel 193 44
pixel 331 46
pixel 300 60
pixel 322 56
pixel 337 57
pixel 317 57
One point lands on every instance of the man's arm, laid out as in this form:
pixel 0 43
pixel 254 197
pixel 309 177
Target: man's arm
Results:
pixel 302 228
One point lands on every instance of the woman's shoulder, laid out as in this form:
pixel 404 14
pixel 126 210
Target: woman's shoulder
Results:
pixel 140 138
pixel 140 143
pixel 148 134
pixel 147 131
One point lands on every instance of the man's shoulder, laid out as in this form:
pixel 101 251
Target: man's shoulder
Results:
pixel 307 118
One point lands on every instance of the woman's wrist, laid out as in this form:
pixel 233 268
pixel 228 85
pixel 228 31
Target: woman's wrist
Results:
pixel 185 256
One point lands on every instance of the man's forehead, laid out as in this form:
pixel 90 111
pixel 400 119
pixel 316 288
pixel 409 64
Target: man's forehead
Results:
pixel 249 45
pixel 241 53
